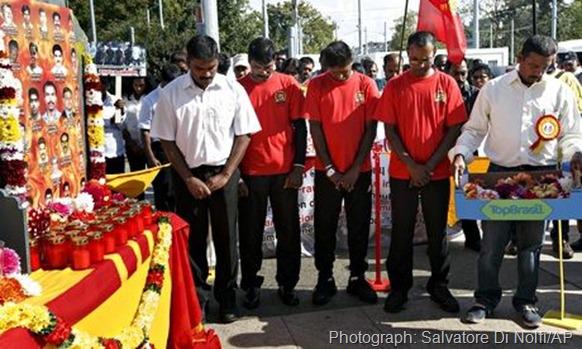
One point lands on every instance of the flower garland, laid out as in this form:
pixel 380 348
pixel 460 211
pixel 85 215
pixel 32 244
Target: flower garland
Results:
pixel 12 166
pixel 54 330
pixel 95 123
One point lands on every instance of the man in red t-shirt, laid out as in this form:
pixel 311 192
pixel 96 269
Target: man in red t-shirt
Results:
pixel 339 106
pixel 423 112
pixel 272 169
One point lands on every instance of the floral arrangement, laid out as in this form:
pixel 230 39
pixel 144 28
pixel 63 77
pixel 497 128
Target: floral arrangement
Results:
pixel 53 330
pixel 12 165
pixel 14 286
pixel 95 123
pixel 102 196
pixel 521 186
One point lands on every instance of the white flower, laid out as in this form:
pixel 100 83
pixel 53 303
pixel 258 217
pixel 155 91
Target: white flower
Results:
pixel 91 69
pixel 30 287
pixel 84 202
pixel 566 182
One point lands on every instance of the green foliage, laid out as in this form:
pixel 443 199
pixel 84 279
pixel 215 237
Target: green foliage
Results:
pixel 410 28
pixel 238 25
pixel 317 29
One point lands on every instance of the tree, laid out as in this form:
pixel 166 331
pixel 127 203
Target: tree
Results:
pixel 317 29
pixel 410 28
pixel 238 25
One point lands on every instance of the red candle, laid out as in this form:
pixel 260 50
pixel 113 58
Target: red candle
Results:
pixel 108 238
pixel 81 256
pixel 120 231
pixel 34 254
pixel 57 252
pixel 139 222
pixel 96 246
pixel 146 212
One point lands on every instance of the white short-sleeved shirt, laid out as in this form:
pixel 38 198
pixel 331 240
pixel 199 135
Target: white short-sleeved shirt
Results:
pixel 148 106
pixel 113 134
pixel 131 122
pixel 203 123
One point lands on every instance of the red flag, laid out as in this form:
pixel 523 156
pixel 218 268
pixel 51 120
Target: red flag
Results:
pixel 440 18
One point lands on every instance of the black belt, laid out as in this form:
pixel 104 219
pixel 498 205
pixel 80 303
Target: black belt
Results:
pixel 498 168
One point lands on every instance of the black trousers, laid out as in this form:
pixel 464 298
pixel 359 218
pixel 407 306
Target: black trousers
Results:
pixel 163 189
pixel 434 198
pixel 222 207
pixel 137 162
pixel 328 204
pixel 115 165
pixel 252 214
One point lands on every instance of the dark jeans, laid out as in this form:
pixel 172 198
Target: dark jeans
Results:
pixel 358 207
pixel 252 214
pixel 137 162
pixel 471 231
pixel 222 206
pixel 163 189
pixel 434 199
pixel 529 237
pixel 115 165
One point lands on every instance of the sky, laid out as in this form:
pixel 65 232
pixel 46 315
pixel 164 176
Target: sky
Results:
pixel 345 13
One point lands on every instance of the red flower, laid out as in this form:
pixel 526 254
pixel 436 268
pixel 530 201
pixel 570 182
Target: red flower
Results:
pixel 13 172
pixel 93 109
pixel 59 334
pixel 7 93
pixel 156 278
pixel 109 343
pixel 92 84
pixel 97 170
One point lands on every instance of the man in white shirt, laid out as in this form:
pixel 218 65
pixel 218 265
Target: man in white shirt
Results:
pixel 507 111
pixel 163 197
pixel 204 122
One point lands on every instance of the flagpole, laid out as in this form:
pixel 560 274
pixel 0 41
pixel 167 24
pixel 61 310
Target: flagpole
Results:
pixel 534 17
pixel 402 36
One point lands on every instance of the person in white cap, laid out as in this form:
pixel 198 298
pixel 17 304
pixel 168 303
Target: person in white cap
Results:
pixel 240 65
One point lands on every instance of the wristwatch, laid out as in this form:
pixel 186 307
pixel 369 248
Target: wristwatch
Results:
pixel 330 172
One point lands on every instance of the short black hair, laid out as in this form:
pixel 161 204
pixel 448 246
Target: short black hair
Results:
pixel 57 47
pixel 421 39
pixel 33 91
pixel 359 67
pixel 56 15
pixel 223 63
pixel 539 44
pixel 49 83
pixel 482 67
pixel 338 54
pixel 290 66
pixel 25 9
pixel 202 47
pixel 67 89
pixel 449 64
pixel 179 57
pixel 170 72
pixel 262 50
pixel 368 63
pixel 306 60
pixel 391 57
pixel 32 47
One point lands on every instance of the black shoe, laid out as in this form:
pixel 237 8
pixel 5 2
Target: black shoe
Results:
pixel 476 314
pixel 395 302
pixel 567 252
pixel 252 298
pixel 359 287
pixel 473 245
pixel 529 316
pixel 288 296
pixel 323 291
pixel 577 245
pixel 511 249
pixel 228 316
pixel 443 297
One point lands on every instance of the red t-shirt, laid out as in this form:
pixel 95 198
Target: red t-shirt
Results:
pixel 277 102
pixel 343 108
pixel 421 109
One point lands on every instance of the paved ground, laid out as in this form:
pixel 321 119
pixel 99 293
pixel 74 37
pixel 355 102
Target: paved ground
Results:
pixel 421 325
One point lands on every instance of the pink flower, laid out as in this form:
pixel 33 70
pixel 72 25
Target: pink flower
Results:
pixel 11 263
pixel 60 208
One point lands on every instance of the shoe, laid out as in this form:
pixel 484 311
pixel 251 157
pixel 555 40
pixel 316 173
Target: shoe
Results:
pixel 228 316
pixel 577 245
pixel 288 296
pixel 473 245
pixel 443 297
pixel 395 302
pixel 530 317
pixel 476 314
pixel 359 287
pixel 511 249
pixel 567 252
pixel 252 298
pixel 323 291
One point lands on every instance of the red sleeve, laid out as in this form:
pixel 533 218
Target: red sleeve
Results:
pixel 372 96
pixel 386 108
pixel 456 112
pixel 296 99
pixel 311 105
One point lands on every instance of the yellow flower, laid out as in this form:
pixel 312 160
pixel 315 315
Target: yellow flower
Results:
pixel 131 337
pixel 9 130
pixel 96 137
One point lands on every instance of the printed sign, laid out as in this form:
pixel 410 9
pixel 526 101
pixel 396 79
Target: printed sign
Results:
pixel 119 59
pixel 516 210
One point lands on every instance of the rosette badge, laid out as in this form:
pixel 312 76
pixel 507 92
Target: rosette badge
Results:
pixel 547 129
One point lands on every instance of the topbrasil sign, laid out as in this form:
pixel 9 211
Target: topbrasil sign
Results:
pixel 516 210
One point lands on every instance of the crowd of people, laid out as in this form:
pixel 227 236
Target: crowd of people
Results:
pixel 238 142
